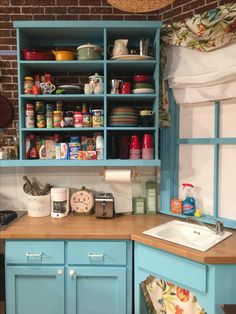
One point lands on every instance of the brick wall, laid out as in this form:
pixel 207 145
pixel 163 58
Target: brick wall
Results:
pixel 11 10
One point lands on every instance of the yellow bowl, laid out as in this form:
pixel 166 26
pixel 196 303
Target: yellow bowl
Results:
pixel 63 55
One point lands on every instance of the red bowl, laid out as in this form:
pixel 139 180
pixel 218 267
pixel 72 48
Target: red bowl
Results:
pixel 141 78
pixel 33 55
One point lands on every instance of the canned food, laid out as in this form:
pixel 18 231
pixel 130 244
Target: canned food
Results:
pixel 40 118
pixel 97 118
pixel 78 120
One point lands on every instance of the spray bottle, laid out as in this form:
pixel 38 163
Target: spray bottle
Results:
pixel 189 201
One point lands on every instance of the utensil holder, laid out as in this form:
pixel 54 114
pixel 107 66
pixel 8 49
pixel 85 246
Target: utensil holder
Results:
pixel 39 206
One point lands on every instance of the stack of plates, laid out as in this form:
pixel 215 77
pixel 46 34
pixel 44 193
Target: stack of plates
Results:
pixel 123 116
pixel 142 84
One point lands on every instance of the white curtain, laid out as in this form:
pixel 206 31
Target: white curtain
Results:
pixel 197 76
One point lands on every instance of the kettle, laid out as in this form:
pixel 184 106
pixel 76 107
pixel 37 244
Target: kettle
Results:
pixel 119 48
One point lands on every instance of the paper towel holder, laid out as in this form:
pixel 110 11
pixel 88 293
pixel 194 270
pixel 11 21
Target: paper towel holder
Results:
pixel 133 173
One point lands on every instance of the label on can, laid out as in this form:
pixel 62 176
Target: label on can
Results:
pixel 40 120
pixel 97 118
pixel 29 122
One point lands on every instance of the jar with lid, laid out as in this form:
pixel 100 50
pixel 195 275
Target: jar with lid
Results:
pixel 28 84
pixel 69 119
pixel 57 118
pixel 78 119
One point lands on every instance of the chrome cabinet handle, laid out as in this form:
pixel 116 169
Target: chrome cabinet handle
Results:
pixel 28 254
pixel 91 255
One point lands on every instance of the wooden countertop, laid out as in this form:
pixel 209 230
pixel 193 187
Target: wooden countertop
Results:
pixel 123 227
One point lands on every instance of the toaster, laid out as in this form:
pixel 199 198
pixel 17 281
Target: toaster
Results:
pixel 104 205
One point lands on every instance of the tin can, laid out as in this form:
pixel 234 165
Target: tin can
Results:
pixel 97 118
pixel 49 116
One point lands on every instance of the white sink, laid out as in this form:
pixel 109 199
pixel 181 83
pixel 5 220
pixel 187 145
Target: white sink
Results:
pixel 187 234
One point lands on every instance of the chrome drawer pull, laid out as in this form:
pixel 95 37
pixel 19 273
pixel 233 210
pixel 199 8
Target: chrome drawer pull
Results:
pixel 28 254
pixel 91 255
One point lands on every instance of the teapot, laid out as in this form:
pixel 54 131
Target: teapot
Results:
pixel 47 88
pixel 96 83
pixel 119 48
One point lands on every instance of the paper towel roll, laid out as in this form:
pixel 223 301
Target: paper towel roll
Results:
pixel 118 175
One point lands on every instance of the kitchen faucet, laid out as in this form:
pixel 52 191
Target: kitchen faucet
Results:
pixel 218 225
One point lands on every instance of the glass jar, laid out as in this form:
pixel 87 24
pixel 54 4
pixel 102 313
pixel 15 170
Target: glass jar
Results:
pixel 28 84
pixel 69 119
pixel 57 118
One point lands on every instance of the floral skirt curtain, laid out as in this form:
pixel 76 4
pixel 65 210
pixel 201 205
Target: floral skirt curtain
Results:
pixel 162 297
pixel 203 32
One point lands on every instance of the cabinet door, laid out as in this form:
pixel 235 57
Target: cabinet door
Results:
pixel 96 290
pixel 34 290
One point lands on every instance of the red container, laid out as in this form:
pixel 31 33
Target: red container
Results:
pixel 33 55
pixel 148 141
pixel 134 144
pixel 142 78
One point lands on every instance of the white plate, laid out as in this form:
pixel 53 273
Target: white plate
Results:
pixel 70 86
pixel 143 91
pixel 132 57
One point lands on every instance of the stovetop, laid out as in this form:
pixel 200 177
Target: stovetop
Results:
pixel 7 217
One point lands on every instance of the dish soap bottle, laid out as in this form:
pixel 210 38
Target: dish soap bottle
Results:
pixel 189 201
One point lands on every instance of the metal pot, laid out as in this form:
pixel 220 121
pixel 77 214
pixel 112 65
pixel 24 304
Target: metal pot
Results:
pixel 89 52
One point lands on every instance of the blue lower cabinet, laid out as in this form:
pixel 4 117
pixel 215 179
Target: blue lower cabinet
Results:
pixel 34 290
pixel 96 290
pixel 68 277
pixel 212 285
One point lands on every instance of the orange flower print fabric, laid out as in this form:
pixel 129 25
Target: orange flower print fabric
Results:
pixel 163 297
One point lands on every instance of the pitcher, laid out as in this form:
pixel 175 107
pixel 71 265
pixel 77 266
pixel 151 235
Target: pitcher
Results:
pixel 119 48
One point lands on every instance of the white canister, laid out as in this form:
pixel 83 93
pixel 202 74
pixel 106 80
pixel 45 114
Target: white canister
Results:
pixel 38 206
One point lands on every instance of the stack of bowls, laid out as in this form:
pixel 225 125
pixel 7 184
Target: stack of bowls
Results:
pixel 142 84
pixel 123 116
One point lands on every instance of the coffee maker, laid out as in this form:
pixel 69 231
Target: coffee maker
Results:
pixel 59 202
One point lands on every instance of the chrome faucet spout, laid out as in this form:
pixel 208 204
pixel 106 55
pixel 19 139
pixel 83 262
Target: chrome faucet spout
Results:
pixel 219 227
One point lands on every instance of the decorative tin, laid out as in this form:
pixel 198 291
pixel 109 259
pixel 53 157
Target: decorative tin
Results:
pixel 104 206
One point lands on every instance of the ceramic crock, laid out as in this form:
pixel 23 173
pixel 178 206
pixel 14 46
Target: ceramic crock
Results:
pixel 63 55
pixel 89 52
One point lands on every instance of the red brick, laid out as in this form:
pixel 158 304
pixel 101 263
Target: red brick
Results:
pixel 5 47
pixel 177 3
pixel 21 17
pixel 4 3
pixel 90 2
pixel 154 18
pixel 205 8
pixel 67 2
pixel 78 10
pixel 44 3
pixel 89 17
pixel 4 33
pixel 5 25
pixel 101 10
pixel 44 17
pixel 4 64
pixel 174 12
pixel 55 10
pixel 182 17
pixel 10 10
pixel 9 87
pixel 33 10
pixel 9 72
pixel 5 17
pixel 135 17
pixel 193 5
pixel 67 17
pixel 113 17
pixel 7 41
pixel 22 2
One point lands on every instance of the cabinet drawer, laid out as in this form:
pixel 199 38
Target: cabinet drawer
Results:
pixel 34 252
pixel 171 267
pixel 97 252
